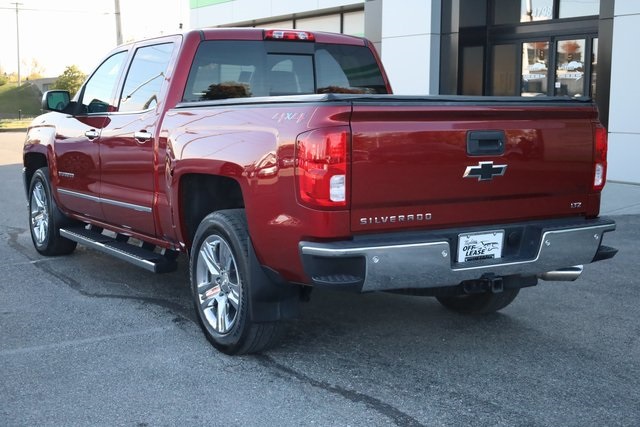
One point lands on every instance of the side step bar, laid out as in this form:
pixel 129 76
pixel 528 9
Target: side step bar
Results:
pixel 119 248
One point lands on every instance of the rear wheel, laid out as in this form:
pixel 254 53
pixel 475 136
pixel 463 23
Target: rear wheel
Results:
pixel 219 269
pixel 45 219
pixel 484 303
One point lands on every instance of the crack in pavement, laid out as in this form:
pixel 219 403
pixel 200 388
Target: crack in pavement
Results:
pixel 396 415
pixel 76 285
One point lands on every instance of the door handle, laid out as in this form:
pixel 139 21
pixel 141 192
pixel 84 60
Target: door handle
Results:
pixel 142 136
pixel 91 134
pixel 485 143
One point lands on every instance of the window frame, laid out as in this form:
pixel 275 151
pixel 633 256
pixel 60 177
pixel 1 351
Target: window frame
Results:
pixel 78 99
pixel 133 53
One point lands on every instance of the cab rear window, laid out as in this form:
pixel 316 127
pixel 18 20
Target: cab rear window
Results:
pixel 238 69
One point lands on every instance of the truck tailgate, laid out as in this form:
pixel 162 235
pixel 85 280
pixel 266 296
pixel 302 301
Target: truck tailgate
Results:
pixel 424 163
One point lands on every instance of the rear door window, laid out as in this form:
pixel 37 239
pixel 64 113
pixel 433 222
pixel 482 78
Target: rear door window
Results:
pixel 145 78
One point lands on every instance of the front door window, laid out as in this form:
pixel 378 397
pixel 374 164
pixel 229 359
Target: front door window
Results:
pixel 98 92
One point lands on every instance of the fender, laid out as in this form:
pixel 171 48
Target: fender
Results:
pixel 39 142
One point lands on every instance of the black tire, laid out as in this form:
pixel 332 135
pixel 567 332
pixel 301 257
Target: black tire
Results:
pixel 484 303
pixel 218 268
pixel 45 219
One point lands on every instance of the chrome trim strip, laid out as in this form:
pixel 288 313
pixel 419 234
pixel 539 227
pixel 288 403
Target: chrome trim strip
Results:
pixel 118 203
pixel 79 195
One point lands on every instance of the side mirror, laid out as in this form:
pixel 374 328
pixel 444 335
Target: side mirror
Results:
pixel 55 100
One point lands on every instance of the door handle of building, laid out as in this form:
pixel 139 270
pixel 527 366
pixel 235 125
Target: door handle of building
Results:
pixel 91 134
pixel 142 136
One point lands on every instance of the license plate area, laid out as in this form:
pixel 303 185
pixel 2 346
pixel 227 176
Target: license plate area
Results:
pixel 480 246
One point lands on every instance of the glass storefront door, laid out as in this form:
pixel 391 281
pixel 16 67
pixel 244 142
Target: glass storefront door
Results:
pixel 553 66
pixel 535 68
pixel 570 68
pixel 504 76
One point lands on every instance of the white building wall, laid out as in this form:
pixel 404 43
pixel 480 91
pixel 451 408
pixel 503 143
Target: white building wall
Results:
pixel 410 45
pixel 408 37
pixel 624 121
pixel 248 10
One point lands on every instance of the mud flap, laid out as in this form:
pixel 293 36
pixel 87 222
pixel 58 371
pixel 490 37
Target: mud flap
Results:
pixel 270 300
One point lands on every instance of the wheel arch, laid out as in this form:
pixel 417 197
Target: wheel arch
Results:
pixel 201 194
pixel 32 162
pixel 38 152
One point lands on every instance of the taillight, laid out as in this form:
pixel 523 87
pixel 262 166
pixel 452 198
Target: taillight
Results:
pixel 600 158
pixel 289 35
pixel 321 167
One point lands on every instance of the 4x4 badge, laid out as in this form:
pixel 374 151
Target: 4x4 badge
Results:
pixel 484 171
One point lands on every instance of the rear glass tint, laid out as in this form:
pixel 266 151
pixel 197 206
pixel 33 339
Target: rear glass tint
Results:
pixel 238 69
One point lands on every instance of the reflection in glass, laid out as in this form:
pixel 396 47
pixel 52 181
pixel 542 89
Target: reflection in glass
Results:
pixel 535 65
pixel 98 91
pixel 472 70
pixel 145 77
pixel 475 13
pixel 570 67
pixel 504 69
pixel 573 8
pixel 594 67
pixel 506 12
pixel 536 10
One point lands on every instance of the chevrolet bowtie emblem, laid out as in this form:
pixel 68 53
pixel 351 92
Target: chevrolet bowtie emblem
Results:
pixel 485 171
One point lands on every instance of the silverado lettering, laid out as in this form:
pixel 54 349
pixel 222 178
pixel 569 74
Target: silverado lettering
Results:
pixel 395 218
pixel 277 161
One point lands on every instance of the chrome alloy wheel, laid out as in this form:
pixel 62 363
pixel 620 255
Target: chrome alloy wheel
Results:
pixel 218 284
pixel 39 213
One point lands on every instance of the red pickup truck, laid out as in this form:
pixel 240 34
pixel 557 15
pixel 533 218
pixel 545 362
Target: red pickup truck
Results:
pixel 279 160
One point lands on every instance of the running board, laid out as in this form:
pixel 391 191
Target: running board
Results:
pixel 119 248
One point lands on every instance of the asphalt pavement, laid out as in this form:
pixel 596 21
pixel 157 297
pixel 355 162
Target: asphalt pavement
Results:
pixel 89 340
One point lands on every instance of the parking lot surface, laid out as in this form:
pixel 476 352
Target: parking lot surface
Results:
pixel 89 340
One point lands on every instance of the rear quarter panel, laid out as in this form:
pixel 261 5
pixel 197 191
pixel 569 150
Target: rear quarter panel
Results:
pixel 254 145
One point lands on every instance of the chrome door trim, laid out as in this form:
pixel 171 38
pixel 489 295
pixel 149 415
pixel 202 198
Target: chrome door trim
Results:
pixel 112 202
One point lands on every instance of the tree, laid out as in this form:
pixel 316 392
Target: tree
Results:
pixel 36 70
pixel 71 79
pixel 4 77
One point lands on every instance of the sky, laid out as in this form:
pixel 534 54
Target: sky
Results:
pixel 59 33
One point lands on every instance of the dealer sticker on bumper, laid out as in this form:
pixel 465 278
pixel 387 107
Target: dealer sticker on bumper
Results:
pixel 479 246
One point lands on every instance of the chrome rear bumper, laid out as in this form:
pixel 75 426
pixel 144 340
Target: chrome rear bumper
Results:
pixel 378 263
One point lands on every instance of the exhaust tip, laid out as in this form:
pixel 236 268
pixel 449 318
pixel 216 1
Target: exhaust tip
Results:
pixel 568 274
